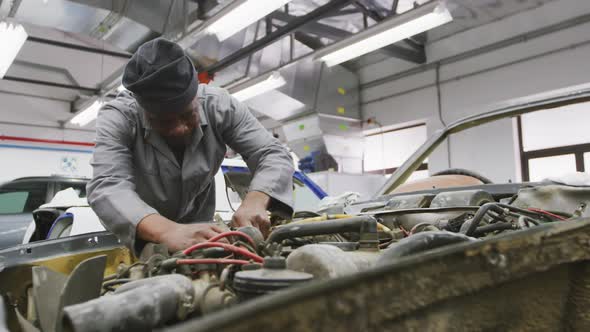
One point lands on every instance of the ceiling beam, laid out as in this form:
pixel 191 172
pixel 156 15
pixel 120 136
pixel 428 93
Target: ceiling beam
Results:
pixel 14 7
pixel 291 27
pixel 371 9
pixel 368 8
pixel 309 41
pixel 137 10
pixel 51 84
pixel 315 28
pixel 333 33
pixel 394 6
pixel 63 71
pixel 343 12
pixel 78 47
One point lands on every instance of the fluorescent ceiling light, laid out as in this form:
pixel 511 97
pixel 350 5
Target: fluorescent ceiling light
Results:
pixel 12 38
pixel 258 87
pixel 239 15
pixel 85 116
pixel 387 32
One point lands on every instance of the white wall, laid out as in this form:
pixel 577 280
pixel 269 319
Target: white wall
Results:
pixel 19 158
pixel 472 85
pixel 21 162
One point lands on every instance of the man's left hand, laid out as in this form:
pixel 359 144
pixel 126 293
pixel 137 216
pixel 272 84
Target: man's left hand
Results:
pixel 252 212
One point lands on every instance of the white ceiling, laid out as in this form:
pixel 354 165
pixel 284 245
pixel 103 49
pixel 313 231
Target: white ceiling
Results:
pixel 92 23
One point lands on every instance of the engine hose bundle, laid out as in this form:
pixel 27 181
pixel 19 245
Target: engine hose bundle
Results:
pixel 500 209
pixel 349 225
pixel 421 242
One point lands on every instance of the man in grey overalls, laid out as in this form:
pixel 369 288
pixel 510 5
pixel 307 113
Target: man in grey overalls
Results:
pixel 159 146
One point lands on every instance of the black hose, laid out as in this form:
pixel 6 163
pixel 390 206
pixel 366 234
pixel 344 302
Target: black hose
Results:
pixel 305 214
pixel 499 208
pixel 121 273
pixel 496 217
pixel 136 306
pixel 500 226
pixel 421 242
pixel 474 223
pixel 115 282
pixel 348 225
pixel 535 222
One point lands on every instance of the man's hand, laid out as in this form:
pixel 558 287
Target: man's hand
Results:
pixel 158 229
pixel 252 212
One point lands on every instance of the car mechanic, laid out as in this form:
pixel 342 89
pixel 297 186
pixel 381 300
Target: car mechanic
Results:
pixel 159 145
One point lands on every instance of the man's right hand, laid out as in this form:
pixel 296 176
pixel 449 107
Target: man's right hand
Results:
pixel 158 229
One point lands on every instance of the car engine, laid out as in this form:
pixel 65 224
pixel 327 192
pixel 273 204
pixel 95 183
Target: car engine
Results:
pixel 162 289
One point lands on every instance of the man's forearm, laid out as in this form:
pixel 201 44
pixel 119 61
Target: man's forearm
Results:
pixel 257 198
pixel 151 227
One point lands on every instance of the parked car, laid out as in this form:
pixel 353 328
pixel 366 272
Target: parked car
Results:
pixel 20 197
pixel 449 253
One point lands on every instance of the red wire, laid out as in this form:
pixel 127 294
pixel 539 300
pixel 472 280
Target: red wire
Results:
pixel 211 261
pixel 404 231
pixel 547 213
pixel 228 247
pixel 233 233
pixel 413 229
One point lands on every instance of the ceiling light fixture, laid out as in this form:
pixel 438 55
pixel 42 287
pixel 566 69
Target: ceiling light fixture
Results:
pixel 12 38
pixel 387 32
pixel 259 86
pixel 239 15
pixel 90 113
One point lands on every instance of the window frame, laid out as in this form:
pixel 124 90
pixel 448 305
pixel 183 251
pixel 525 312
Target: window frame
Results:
pixel 578 150
pixel 391 170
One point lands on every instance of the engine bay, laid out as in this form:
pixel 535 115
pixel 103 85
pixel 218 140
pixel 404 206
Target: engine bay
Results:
pixel 161 289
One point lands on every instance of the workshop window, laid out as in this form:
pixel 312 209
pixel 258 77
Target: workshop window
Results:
pixel 555 142
pixel 385 151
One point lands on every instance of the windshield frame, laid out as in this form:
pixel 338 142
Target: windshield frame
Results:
pixel 554 99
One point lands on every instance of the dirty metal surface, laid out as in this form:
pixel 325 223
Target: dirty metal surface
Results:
pixel 25 325
pixel 84 284
pixel 510 280
pixel 47 286
pixel 557 198
pixel 15 280
pixel 45 250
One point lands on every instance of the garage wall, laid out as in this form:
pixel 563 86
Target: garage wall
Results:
pixel 527 58
pixel 43 161
pixel 32 144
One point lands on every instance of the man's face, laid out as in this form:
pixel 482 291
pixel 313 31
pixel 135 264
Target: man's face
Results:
pixel 176 128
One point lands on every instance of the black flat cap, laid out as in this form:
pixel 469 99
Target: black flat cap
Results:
pixel 161 76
